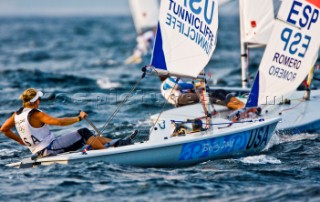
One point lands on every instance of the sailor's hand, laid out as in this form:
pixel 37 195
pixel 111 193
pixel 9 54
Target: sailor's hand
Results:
pixel 83 115
pixel 22 143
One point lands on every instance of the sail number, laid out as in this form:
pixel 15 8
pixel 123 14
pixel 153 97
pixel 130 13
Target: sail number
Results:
pixel 197 9
pixel 295 42
pixel 303 16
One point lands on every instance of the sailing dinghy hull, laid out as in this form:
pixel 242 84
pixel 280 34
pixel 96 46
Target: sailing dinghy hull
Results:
pixel 178 151
pixel 297 117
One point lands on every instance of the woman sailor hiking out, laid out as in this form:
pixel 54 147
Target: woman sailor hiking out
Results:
pixel 32 126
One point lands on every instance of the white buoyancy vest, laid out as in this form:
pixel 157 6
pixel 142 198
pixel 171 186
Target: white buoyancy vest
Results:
pixel 36 139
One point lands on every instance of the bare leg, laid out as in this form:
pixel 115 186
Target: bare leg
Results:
pixel 103 140
pixel 97 142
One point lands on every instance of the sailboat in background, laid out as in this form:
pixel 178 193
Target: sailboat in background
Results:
pixel 145 18
pixel 184 44
pixel 278 99
pixel 257 18
pixel 144 14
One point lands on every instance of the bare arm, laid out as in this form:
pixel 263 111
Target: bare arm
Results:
pixel 47 119
pixel 6 130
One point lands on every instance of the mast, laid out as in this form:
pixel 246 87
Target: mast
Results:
pixel 256 23
pixel 243 49
pixel 309 80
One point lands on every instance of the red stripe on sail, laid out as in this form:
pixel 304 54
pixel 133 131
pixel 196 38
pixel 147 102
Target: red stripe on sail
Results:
pixel 315 2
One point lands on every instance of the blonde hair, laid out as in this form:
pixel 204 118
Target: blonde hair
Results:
pixel 27 95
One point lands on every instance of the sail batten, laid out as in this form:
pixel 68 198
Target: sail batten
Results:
pixel 186 36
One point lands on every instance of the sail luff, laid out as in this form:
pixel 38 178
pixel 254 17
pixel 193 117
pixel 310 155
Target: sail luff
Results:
pixel 158 59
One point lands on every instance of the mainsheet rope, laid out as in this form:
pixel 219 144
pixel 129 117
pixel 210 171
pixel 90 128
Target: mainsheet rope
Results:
pixel 124 100
pixel 144 70
pixel 84 151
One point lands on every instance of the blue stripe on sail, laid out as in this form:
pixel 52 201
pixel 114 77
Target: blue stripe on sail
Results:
pixel 158 59
pixel 254 94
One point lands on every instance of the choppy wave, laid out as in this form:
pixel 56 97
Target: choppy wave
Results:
pixel 107 84
pixel 78 63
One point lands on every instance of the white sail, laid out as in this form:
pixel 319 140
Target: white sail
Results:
pixel 256 24
pixel 256 21
pixel 290 53
pixel 186 36
pixel 145 14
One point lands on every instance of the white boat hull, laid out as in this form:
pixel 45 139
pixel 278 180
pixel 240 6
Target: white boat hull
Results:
pixel 297 117
pixel 178 151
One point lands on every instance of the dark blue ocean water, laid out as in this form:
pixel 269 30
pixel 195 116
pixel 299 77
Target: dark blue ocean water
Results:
pixel 78 63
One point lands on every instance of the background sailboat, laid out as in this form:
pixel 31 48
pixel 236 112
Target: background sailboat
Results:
pixel 257 19
pixel 145 18
pixel 144 14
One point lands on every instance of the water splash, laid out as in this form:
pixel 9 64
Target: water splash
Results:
pixel 261 159
pixel 105 83
pixel 275 140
